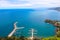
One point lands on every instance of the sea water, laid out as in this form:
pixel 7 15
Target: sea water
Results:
pixel 28 18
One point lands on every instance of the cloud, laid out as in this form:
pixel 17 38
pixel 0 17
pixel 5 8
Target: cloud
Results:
pixel 29 3
pixel 8 4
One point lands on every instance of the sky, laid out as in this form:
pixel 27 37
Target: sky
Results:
pixel 29 3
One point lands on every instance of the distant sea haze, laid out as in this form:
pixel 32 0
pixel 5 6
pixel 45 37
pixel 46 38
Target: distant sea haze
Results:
pixel 28 18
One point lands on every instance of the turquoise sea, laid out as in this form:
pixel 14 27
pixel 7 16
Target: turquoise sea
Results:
pixel 28 18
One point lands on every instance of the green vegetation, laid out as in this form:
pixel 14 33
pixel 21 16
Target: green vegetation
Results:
pixel 51 38
pixel 23 38
pixel 13 38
